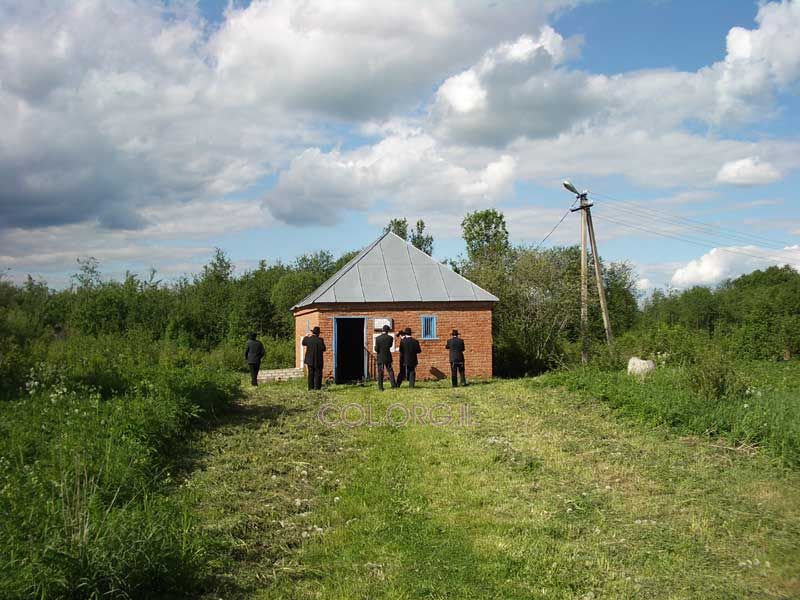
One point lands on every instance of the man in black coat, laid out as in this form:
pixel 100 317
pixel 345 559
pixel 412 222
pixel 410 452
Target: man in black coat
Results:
pixel 315 347
pixel 253 353
pixel 456 346
pixel 409 348
pixel 383 355
pixel 401 370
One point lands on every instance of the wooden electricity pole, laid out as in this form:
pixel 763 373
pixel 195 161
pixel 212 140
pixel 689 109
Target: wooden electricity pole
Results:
pixel 584 285
pixel 588 227
pixel 601 290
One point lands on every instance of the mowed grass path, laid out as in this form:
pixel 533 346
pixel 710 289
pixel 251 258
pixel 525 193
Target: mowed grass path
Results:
pixel 542 495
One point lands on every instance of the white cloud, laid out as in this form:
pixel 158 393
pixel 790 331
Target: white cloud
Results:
pixel 109 108
pixel 353 59
pixel 52 250
pixel 142 118
pixel 652 159
pixel 403 171
pixel 463 92
pixel 526 88
pixel 748 172
pixel 723 263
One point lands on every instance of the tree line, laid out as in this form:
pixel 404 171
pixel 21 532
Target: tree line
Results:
pixel 536 321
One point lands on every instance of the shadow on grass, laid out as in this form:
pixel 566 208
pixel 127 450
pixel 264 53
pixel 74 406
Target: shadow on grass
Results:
pixel 248 415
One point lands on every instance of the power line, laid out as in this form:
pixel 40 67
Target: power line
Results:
pixel 700 226
pixel 560 221
pixel 706 230
pixel 703 243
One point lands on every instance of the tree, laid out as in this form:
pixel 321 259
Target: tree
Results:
pixel 399 227
pixel 620 282
pixel 288 291
pixel 420 239
pixel 485 234
pixel 320 262
pixel 88 275
pixel 219 270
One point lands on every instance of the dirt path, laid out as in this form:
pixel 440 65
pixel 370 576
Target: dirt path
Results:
pixel 539 496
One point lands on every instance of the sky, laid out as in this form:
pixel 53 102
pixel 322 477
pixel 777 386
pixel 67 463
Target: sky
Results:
pixel 145 134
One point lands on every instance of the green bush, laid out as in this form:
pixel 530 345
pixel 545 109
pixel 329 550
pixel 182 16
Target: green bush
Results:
pixel 713 377
pixel 278 354
pixel 84 471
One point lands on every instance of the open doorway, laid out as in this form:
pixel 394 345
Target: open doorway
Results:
pixel 349 349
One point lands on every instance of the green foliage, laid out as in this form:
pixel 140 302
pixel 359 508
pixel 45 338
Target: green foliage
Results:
pixel 751 403
pixel 420 239
pixel 485 234
pixel 537 321
pixel 85 456
pixel 290 289
pixel 399 227
pixel 278 354
pixel 667 344
pixel 756 316
pixel 319 263
pixel 713 377
pixel 417 236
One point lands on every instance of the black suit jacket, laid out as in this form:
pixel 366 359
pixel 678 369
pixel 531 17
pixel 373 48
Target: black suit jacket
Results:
pixel 456 347
pixel 253 352
pixel 315 346
pixel 383 348
pixel 409 348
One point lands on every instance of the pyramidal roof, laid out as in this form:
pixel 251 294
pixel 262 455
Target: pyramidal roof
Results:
pixel 392 270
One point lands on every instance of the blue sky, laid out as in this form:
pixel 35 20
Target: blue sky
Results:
pixel 146 136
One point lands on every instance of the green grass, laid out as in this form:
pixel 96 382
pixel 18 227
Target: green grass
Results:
pixel 762 410
pixel 85 476
pixel 547 494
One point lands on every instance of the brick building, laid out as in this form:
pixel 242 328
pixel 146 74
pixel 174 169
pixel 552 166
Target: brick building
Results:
pixel 392 282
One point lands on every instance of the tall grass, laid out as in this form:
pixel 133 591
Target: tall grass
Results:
pixel 745 403
pixel 85 459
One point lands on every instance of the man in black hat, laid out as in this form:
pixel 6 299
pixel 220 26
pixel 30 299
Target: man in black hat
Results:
pixel 253 353
pixel 383 355
pixel 315 346
pixel 456 346
pixel 409 348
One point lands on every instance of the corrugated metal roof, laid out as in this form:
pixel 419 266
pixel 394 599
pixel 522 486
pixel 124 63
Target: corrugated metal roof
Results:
pixel 392 270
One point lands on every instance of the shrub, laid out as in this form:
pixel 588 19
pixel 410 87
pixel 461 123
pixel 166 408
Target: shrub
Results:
pixel 279 353
pixel 84 471
pixel 713 377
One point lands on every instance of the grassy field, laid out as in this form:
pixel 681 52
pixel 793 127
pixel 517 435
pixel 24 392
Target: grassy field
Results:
pixel 533 492
pixel 747 404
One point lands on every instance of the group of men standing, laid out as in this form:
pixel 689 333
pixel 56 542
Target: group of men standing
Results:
pixel 408 350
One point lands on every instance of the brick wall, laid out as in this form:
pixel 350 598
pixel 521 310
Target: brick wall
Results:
pixel 472 319
pixel 304 321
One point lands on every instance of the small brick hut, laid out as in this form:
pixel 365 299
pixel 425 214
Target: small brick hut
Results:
pixel 391 282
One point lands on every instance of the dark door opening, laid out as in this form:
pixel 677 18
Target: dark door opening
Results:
pixel 349 349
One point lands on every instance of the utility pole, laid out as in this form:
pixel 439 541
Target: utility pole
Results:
pixel 588 226
pixel 584 284
pixel 601 290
